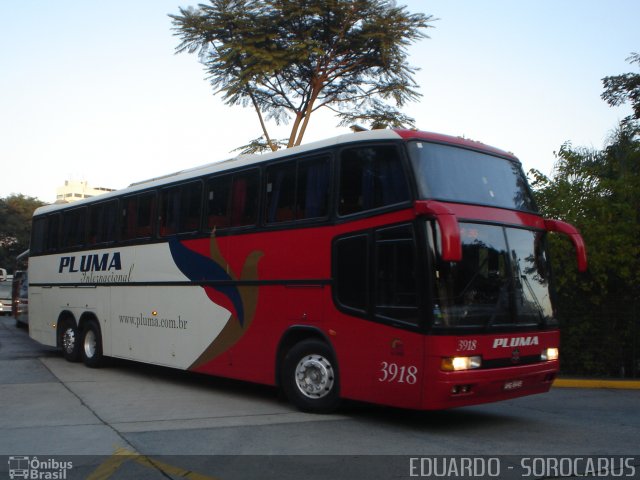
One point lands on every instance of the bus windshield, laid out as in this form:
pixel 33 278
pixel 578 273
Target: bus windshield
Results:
pixel 459 175
pixel 502 281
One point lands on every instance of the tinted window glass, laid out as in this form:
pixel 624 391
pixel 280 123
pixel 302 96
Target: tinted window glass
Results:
pixel 529 260
pixel 351 263
pixel 298 190
pixel 180 208
pixel 38 235
pixel 103 222
pixel 137 216
pixel 475 291
pixel 281 192
pixel 53 232
pixel 313 188
pixel 455 174
pixel 371 177
pixel 396 275
pixel 73 227
pixel 232 200
pixel 218 202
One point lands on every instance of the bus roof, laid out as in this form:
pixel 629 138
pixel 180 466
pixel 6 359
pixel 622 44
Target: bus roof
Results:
pixel 256 159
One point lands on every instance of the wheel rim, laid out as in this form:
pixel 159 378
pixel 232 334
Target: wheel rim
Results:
pixel 69 340
pixel 314 376
pixel 90 344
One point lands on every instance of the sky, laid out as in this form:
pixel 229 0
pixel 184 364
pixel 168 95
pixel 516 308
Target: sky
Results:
pixel 93 90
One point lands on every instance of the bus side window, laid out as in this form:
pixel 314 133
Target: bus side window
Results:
pixel 244 199
pixel 298 190
pixel 73 227
pixel 180 208
pixel 169 211
pixel 190 207
pixel 281 192
pixel 53 233
pixel 396 290
pixel 371 177
pixel 232 200
pixel 38 235
pixel 146 210
pixel 129 208
pixel 351 273
pixel 218 194
pixel 313 188
pixel 137 216
pixel 103 221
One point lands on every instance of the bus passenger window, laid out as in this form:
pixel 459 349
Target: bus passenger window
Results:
pixel 298 190
pixel 191 207
pixel 137 216
pixel 146 208
pixel 103 219
pixel 396 291
pixel 281 192
pixel 180 209
pixel 53 233
pixel 38 235
pixel 371 177
pixel 352 272
pixel 218 191
pixel 73 228
pixel 244 199
pixel 232 200
pixel 313 188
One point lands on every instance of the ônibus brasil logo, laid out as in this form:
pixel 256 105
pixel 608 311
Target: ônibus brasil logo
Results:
pixel 36 469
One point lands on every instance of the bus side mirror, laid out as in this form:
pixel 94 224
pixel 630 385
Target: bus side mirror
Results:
pixel 575 237
pixel 449 228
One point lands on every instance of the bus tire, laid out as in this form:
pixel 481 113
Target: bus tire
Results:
pixel 91 345
pixel 70 340
pixel 310 377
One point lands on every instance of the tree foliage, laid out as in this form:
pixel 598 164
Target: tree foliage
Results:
pixel 599 192
pixel 620 89
pixel 289 58
pixel 15 227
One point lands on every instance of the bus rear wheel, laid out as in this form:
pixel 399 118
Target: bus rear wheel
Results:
pixel 91 346
pixel 69 341
pixel 310 377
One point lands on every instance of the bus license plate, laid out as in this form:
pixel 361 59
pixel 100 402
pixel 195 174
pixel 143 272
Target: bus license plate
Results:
pixel 513 385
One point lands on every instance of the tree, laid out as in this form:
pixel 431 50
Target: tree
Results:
pixel 289 58
pixel 15 227
pixel 599 192
pixel 620 89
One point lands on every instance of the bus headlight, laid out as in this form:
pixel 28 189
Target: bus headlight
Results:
pixel 549 354
pixel 456 364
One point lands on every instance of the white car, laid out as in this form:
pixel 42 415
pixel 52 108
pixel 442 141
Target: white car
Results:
pixel 5 297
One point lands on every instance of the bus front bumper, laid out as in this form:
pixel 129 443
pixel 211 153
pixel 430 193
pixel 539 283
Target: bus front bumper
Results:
pixel 472 387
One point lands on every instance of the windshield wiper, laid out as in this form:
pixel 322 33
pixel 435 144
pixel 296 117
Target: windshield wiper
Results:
pixel 534 297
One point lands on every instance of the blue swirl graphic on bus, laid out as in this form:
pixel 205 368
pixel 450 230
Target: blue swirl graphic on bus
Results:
pixel 208 273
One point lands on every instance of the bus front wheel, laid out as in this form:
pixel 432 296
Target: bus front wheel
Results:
pixel 310 377
pixel 91 349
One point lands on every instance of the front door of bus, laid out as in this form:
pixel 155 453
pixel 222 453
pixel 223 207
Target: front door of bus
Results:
pixel 398 343
pixel 378 279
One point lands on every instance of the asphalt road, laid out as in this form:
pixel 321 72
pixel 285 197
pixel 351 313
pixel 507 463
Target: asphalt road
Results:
pixel 225 429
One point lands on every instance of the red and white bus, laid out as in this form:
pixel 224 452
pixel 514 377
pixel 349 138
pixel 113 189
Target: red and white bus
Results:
pixel 396 267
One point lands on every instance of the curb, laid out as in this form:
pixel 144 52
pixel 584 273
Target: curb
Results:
pixel 584 383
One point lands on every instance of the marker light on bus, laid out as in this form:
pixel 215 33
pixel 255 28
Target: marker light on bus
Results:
pixel 455 364
pixel 549 354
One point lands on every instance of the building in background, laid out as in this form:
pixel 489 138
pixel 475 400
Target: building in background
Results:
pixel 77 190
